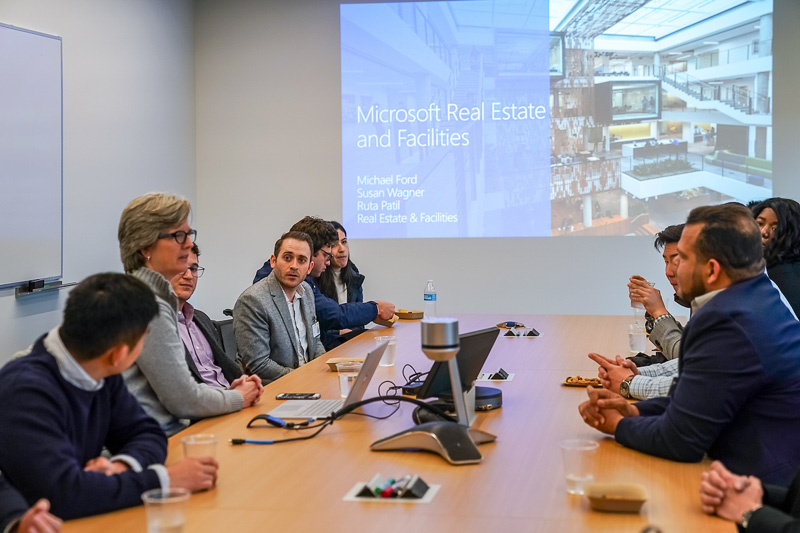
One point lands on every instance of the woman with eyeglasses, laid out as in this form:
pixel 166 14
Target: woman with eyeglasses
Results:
pixel 779 221
pixel 341 281
pixel 154 241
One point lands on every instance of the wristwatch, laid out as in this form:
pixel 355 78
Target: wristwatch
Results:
pixel 749 514
pixel 625 387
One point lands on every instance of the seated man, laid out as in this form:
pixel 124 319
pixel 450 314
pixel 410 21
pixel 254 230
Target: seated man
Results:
pixel 65 401
pixel 738 395
pixel 205 356
pixel 16 517
pixel 332 315
pixel 653 380
pixel 274 321
pixel 744 500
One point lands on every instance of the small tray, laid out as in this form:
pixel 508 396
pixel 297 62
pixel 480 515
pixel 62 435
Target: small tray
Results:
pixel 333 360
pixel 386 323
pixel 409 315
pixel 615 497
pixel 595 382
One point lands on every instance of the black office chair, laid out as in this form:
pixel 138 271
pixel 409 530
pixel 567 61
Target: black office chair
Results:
pixel 225 330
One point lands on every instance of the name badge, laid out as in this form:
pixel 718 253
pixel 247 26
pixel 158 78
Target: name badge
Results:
pixel 315 329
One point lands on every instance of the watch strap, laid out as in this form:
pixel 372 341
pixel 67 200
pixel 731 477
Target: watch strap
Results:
pixel 747 515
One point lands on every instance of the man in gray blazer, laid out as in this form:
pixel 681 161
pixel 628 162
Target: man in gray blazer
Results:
pixel 275 320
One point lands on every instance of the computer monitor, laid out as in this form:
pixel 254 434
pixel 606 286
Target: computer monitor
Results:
pixel 474 349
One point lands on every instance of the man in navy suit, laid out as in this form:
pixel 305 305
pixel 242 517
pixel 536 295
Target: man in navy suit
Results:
pixel 738 395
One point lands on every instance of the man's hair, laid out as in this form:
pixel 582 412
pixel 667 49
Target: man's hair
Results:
pixel 143 220
pixel 784 246
pixel 297 236
pixel 104 311
pixel 669 235
pixel 196 250
pixel 322 233
pixel 729 235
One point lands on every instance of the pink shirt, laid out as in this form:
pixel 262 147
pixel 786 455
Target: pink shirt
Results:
pixel 199 349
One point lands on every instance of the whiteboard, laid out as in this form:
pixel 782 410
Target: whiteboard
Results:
pixel 31 182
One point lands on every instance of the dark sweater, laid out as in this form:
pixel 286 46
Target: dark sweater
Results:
pixel 50 429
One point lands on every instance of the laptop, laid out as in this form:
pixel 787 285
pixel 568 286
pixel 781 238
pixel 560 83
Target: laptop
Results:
pixel 323 408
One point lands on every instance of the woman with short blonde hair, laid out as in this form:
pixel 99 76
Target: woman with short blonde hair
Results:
pixel 143 220
pixel 154 243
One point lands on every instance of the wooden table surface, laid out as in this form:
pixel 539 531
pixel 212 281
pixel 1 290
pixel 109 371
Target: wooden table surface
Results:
pixel 519 486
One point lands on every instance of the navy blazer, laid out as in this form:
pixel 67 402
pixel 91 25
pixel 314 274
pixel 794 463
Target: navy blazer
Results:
pixel 738 395
pixel 12 504
pixel 230 369
pixel 781 510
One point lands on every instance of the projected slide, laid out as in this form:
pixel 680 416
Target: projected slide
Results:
pixel 435 136
pixel 515 118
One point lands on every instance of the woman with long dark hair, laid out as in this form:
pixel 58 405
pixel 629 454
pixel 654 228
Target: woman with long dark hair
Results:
pixel 341 281
pixel 779 220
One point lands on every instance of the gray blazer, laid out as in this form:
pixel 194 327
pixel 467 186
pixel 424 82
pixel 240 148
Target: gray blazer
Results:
pixel 264 331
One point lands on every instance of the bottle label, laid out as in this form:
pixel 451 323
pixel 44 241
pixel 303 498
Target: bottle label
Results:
pixel 430 297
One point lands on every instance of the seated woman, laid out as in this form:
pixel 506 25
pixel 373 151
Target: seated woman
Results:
pixel 154 241
pixel 341 281
pixel 779 220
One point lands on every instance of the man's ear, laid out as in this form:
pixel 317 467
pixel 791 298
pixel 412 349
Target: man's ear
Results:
pixel 310 267
pixel 117 354
pixel 272 260
pixel 713 271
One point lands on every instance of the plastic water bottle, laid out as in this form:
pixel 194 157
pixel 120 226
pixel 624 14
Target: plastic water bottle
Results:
pixel 429 300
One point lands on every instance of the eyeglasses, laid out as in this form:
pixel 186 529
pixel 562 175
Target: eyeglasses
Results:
pixel 328 256
pixel 196 271
pixel 180 236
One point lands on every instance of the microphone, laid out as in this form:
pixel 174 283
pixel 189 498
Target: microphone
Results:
pixel 454 441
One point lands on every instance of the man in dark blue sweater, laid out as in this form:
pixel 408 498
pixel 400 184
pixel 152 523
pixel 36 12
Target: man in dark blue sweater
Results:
pixel 738 395
pixel 65 401
pixel 332 315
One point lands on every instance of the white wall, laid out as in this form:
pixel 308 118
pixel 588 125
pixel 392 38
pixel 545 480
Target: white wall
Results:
pixel 128 129
pixel 268 153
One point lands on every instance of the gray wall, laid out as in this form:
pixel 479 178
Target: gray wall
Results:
pixel 128 129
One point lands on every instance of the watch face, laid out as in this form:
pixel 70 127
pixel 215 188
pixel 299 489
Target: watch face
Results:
pixel 624 389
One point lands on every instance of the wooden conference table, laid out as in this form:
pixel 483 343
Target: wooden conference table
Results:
pixel 519 486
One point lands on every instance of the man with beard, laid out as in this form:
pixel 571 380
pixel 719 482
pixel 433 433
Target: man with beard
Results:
pixel 738 395
pixel 275 319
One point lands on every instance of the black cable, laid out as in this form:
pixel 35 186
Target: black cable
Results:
pixel 415 376
pixel 347 410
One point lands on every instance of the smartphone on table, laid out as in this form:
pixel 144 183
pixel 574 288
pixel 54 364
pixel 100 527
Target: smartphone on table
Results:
pixel 298 396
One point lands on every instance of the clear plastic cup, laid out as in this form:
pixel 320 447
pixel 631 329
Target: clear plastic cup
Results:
pixel 578 456
pixel 391 350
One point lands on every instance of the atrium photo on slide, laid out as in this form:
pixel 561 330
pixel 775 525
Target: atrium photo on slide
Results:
pixel 517 118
